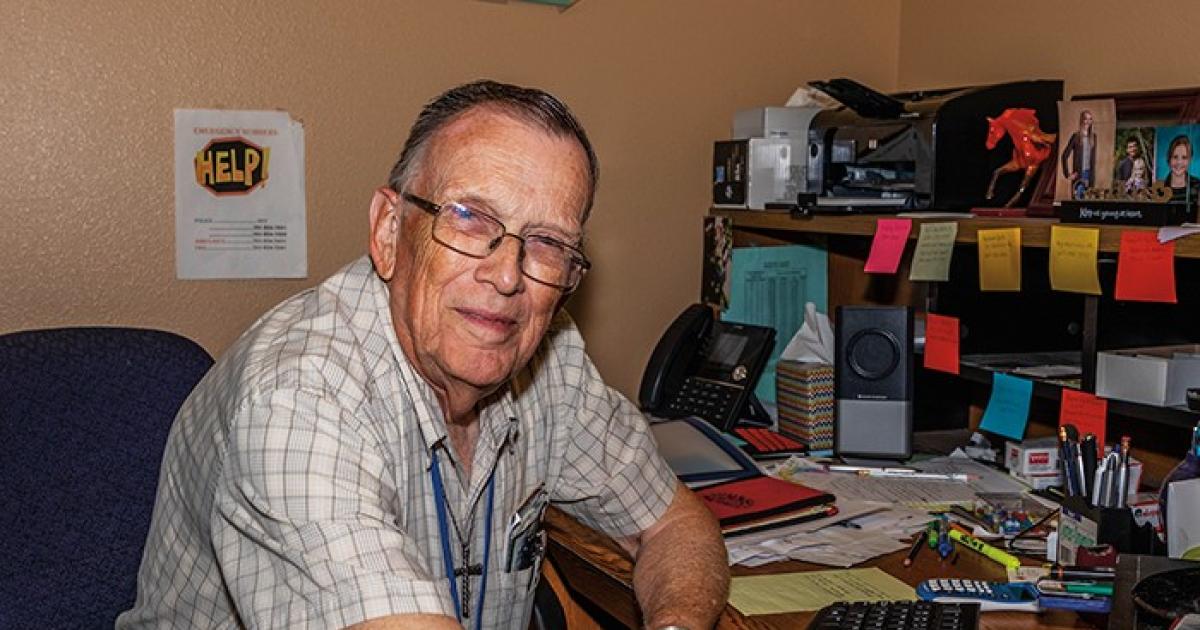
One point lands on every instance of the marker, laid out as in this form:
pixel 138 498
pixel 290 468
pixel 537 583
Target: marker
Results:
pixel 916 547
pixel 1090 588
pixel 991 552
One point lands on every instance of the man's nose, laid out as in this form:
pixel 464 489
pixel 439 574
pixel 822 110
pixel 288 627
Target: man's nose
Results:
pixel 502 269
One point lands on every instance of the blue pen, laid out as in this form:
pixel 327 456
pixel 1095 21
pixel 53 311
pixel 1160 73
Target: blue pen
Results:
pixel 1077 604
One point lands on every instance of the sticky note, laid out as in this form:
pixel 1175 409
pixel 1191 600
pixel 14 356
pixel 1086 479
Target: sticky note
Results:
pixel 1073 259
pixel 1008 409
pixel 935 247
pixel 1086 411
pixel 891 235
pixel 941 343
pixel 999 259
pixel 1145 268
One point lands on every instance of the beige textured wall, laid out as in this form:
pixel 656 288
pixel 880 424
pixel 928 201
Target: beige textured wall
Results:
pixel 1094 46
pixel 87 91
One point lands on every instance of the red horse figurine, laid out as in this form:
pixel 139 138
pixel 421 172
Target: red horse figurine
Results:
pixel 1031 146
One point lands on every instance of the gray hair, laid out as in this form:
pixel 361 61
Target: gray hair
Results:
pixel 529 105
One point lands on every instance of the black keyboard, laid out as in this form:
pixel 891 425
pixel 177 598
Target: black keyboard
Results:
pixel 918 615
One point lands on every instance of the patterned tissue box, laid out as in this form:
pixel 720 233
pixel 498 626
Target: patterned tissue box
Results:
pixel 804 395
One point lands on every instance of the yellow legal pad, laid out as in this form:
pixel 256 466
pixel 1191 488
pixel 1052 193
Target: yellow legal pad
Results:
pixel 814 590
pixel 1073 259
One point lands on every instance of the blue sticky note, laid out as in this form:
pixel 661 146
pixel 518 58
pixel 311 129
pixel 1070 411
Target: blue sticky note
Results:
pixel 1007 412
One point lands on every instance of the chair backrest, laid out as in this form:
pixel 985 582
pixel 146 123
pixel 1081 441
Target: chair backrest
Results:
pixel 84 416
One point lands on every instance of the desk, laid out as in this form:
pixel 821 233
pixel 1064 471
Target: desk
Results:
pixel 594 568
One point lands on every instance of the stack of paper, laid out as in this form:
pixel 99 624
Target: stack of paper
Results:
pixel 859 532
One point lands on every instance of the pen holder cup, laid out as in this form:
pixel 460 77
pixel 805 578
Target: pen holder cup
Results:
pixel 1083 525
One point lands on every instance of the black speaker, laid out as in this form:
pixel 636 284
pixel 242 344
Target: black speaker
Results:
pixel 873 382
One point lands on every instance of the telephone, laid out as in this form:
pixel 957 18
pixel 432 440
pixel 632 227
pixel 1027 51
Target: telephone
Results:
pixel 707 368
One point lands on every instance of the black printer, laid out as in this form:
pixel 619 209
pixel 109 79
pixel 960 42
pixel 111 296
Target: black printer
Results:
pixel 916 150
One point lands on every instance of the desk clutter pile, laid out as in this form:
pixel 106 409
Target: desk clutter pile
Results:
pixel 818 511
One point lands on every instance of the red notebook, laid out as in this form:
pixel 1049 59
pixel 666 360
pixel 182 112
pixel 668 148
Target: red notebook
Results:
pixel 745 500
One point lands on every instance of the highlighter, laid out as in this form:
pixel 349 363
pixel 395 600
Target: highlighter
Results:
pixel 991 552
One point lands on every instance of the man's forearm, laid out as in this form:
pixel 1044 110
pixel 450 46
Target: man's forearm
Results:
pixel 681 574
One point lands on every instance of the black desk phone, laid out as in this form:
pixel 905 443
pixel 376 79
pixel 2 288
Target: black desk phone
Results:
pixel 707 368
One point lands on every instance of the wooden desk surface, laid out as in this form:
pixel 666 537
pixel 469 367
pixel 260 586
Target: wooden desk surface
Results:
pixel 596 569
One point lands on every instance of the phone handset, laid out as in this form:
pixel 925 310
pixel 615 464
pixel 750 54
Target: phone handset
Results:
pixel 675 352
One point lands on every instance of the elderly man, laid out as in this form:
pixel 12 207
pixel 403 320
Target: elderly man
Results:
pixel 377 451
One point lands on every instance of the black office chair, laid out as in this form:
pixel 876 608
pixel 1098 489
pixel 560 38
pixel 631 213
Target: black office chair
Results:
pixel 84 416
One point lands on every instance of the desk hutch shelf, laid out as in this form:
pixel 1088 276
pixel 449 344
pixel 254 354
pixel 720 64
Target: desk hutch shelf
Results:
pixel 1098 323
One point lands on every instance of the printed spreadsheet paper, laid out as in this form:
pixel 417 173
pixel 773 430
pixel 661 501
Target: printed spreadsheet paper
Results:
pixel 795 592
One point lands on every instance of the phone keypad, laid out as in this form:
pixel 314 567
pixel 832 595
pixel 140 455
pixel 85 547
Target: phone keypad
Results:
pixel 708 399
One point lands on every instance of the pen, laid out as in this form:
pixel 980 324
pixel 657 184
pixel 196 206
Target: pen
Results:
pixel 916 547
pixel 1059 572
pixel 991 552
pixel 1123 473
pixel 905 474
pixel 1077 452
pixel 1100 484
pixel 1064 454
pixel 1088 447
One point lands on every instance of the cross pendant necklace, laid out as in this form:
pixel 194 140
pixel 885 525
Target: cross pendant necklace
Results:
pixel 465 573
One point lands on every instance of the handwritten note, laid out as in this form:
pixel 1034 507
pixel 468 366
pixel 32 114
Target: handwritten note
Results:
pixel 1073 259
pixel 814 590
pixel 1086 411
pixel 891 235
pixel 1145 268
pixel 935 247
pixel 999 259
pixel 1007 412
pixel 941 343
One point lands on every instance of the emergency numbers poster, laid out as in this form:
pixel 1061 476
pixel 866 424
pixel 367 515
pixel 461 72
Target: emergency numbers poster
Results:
pixel 239 195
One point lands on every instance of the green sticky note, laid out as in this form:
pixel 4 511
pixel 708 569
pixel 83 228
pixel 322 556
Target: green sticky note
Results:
pixel 935 247
pixel 1007 412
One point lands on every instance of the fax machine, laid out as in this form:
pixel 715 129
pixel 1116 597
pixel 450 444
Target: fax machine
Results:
pixel 915 150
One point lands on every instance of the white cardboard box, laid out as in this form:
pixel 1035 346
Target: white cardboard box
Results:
pixel 1032 457
pixel 1156 375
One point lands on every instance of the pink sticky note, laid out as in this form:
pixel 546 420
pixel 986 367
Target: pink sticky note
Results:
pixel 891 235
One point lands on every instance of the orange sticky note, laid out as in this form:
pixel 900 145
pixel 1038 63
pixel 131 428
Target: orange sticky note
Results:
pixel 941 343
pixel 1145 268
pixel 1073 259
pixel 999 259
pixel 891 235
pixel 1086 411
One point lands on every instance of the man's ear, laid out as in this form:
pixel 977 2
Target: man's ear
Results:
pixel 385 229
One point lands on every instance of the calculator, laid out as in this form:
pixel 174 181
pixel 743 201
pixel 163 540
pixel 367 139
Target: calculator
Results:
pixel 918 615
pixel 1019 596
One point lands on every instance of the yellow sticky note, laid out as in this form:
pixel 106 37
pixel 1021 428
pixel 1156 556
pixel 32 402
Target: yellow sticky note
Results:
pixel 814 590
pixel 999 259
pixel 1073 259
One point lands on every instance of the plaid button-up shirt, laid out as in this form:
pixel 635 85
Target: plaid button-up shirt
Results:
pixel 295 490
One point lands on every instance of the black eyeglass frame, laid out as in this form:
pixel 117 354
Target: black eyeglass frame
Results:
pixel 435 209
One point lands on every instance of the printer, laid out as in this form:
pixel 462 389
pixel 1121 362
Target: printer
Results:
pixel 915 150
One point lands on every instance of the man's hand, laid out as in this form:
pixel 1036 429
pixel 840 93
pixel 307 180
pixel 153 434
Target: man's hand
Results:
pixel 681 569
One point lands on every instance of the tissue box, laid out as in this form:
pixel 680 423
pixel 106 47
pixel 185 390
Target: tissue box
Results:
pixel 1158 375
pixel 804 396
pixel 1032 457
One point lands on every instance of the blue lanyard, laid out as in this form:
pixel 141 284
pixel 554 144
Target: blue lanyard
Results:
pixel 448 557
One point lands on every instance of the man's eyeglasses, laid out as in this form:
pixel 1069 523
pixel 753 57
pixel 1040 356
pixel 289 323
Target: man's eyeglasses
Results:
pixel 475 233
